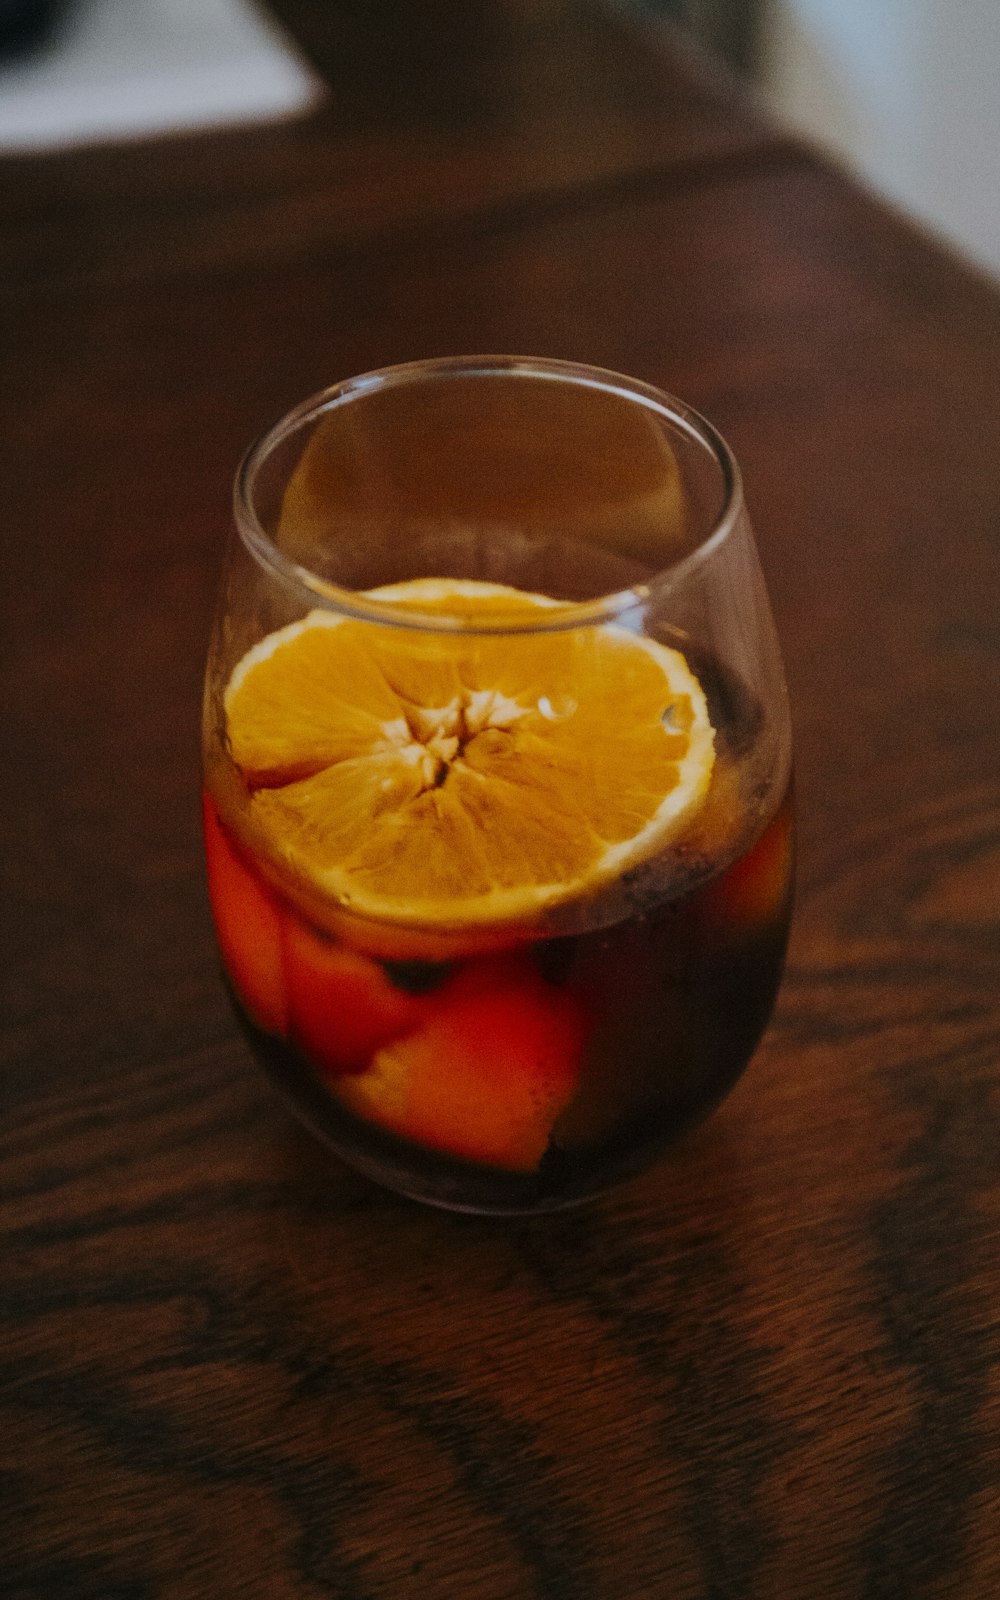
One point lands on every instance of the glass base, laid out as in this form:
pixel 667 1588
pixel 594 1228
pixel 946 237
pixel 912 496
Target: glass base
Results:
pixel 565 1179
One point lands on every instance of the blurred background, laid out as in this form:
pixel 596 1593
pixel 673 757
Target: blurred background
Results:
pixel 903 91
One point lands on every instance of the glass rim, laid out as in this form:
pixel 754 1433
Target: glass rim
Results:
pixel 561 614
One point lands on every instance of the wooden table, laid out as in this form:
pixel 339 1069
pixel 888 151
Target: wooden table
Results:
pixel 771 1368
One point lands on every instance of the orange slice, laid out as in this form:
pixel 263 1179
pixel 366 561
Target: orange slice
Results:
pixel 450 779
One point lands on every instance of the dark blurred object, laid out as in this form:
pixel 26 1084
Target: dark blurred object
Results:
pixel 26 25
pixel 729 29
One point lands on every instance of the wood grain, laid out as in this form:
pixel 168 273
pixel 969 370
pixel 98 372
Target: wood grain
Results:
pixel 766 1371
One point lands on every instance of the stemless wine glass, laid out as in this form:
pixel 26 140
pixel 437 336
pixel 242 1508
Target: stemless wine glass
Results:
pixel 497 776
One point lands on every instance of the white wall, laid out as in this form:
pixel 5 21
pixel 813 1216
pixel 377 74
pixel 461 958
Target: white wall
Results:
pixel 907 91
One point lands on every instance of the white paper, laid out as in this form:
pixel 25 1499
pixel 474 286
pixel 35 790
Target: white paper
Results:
pixel 125 69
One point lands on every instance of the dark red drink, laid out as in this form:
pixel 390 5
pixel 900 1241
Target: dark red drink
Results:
pixel 513 1077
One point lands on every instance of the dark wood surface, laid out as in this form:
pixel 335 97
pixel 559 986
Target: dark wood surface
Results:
pixel 433 112
pixel 769 1370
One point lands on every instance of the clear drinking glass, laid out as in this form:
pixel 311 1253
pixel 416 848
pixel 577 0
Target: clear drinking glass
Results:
pixel 497 776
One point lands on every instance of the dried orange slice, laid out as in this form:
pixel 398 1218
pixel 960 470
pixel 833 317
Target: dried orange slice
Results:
pixel 451 779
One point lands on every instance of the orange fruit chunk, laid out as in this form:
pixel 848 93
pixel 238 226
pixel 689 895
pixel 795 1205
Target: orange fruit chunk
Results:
pixel 488 1072
pixel 342 1005
pixel 441 778
pixel 750 892
pixel 248 926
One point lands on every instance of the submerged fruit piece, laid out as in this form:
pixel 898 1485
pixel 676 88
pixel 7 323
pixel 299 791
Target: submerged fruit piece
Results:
pixel 342 1005
pixel 486 1074
pixel 443 778
pixel 749 895
pixel 248 925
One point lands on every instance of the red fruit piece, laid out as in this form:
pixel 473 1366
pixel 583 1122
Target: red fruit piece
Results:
pixel 747 895
pixel 248 926
pixel 486 1074
pixel 342 1005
